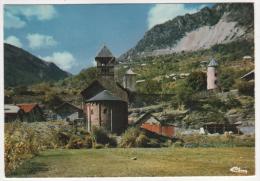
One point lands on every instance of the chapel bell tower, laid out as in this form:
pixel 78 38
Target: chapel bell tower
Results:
pixel 105 63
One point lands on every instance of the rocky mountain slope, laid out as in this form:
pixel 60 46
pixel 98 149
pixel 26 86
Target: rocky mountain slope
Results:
pixel 223 23
pixel 23 68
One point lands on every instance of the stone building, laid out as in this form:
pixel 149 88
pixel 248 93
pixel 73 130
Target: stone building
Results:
pixel 212 76
pixel 130 80
pixel 107 111
pixel 111 112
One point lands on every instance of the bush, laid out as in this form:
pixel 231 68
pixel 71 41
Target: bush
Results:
pixel 246 88
pixel 88 143
pixel 100 135
pixel 134 137
pixel 112 142
pixel 99 146
pixel 75 142
pixel 142 141
pixel 129 137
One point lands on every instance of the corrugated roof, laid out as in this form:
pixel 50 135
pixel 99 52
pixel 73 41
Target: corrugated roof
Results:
pixel 104 52
pixel 105 95
pixel 130 72
pixel 9 108
pixel 213 63
pixel 27 107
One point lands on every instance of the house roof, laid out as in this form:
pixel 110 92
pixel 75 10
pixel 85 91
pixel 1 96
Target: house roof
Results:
pixel 105 95
pixel 101 84
pixel 104 52
pixel 130 72
pixel 67 104
pixel 9 108
pixel 213 63
pixel 27 107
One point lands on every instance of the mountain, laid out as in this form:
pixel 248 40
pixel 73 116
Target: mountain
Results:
pixel 23 68
pixel 223 23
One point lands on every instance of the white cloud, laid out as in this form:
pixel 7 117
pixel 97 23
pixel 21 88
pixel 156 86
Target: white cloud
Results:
pixel 13 14
pixel 37 41
pixel 12 21
pixel 161 13
pixel 65 60
pixel 13 40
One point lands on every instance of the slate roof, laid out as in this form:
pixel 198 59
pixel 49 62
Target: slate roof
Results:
pixel 213 63
pixel 104 52
pixel 105 95
pixel 69 105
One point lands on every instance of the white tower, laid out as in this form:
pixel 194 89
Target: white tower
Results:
pixel 130 80
pixel 212 76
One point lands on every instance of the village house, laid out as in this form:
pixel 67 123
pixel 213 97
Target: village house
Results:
pixel 105 100
pixel 32 112
pixel 69 112
pixel 13 113
pixel 151 123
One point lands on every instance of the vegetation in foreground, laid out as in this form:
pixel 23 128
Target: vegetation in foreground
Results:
pixel 138 162
pixel 24 141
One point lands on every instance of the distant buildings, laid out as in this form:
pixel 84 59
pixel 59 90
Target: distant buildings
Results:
pixel 12 113
pixel 32 112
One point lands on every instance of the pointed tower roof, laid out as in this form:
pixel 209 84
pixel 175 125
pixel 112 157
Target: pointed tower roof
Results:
pixel 130 72
pixel 213 63
pixel 105 95
pixel 104 53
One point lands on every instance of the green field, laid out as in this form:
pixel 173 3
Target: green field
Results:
pixel 150 162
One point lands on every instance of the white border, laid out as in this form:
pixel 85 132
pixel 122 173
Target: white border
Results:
pixel 257 88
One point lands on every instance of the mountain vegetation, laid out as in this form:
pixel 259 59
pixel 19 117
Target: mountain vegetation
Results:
pixel 23 68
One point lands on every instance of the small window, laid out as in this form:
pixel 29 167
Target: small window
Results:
pixel 105 111
pixel 216 74
pixel 216 82
pixel 91 111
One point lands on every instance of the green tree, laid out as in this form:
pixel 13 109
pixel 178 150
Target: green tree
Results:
pixel 197 81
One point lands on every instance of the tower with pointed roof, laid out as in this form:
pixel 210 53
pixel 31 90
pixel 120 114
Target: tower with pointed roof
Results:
pixel 212 76
pixel 105 62
pixel 129 80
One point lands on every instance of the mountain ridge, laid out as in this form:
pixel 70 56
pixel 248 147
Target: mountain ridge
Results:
pixel 24 68
pixel 165 37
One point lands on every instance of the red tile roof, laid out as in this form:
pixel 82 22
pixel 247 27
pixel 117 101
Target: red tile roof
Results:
pixel 27 107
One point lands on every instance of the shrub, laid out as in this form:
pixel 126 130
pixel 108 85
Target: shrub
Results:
pixel 142 141
pixel 129 137
pixel 88 141
pixel 112 142
pixel 99 146
pixel 197 81
pixel 134 137
pixel 75 142
pixel 100 135
pixel 246 88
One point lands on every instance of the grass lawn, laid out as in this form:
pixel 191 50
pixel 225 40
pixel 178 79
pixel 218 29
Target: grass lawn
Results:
pixel 150 162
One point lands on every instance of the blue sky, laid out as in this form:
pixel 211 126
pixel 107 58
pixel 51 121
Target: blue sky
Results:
pixel 71 35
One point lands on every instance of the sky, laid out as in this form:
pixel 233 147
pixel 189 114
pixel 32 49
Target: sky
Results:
pixel 71 35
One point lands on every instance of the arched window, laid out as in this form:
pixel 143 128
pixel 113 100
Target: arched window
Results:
pixel 105 111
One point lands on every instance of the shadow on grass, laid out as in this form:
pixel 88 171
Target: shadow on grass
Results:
pixel 29 168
